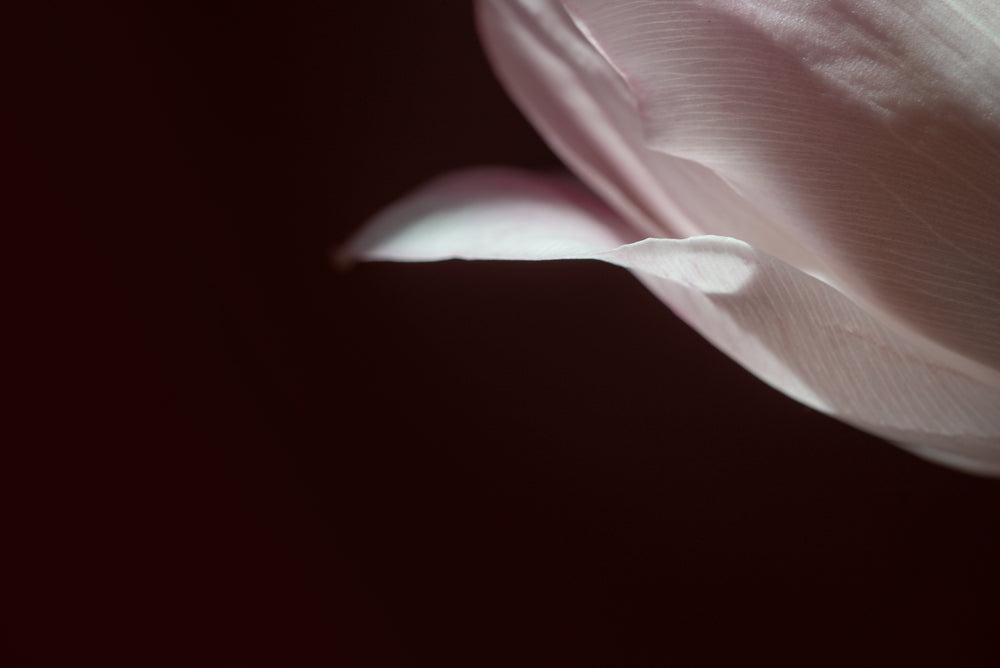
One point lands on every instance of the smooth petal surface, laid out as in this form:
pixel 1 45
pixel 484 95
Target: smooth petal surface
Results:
pixel 584 110
pixel 492 214
pixel 867 132
pixel 794 331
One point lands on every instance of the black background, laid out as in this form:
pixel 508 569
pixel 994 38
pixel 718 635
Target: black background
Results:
pixel 236 455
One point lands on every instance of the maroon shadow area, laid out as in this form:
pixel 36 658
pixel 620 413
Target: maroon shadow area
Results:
pixel 240 456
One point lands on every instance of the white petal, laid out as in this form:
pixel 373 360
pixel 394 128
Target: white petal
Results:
pixel 868 132
pixel 494 214
pixel 793 331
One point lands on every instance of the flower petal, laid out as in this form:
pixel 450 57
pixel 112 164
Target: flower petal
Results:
pixel 794 331
pixel 583 109
pixel 868 132
pixel 491 214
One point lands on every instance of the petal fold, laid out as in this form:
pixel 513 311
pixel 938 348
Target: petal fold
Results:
pixel 867 133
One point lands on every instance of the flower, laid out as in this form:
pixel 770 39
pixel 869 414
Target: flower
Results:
pixel 812 185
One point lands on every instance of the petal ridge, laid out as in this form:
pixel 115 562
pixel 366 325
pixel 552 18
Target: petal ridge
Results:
pixel 868 132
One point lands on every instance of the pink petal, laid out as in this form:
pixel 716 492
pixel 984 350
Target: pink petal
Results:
pixel 586 113
pixel 867 133
pixel 794 331
pixel 492 214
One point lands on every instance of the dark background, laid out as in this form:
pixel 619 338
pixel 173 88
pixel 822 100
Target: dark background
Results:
pixel 231 454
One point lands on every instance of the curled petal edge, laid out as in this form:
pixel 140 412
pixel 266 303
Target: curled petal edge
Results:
pixel 793 331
